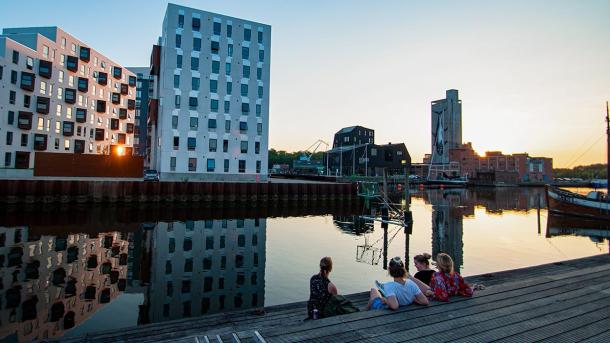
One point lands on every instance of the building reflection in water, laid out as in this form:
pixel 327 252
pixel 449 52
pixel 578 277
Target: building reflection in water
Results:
pixel 49 284
pixel 203 267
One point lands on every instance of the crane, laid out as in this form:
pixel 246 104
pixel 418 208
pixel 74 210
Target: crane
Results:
pixel 306 156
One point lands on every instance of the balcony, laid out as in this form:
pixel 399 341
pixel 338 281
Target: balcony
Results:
pixel 72 63
pixel 117 72
pixel 79 146
pixel 131 104
pixel 68 128
pixel 24 120
pixel 114 124
pixel 45 69
pixel 102 78
pixel 132 81
pixel 84 54
pixel 116 98
pixel 27 81
pixel 122 113
pixel 83 84
pixel 81 115
pixel 70 95
pixel 100 106
pixel 99 134
pixel 42 104
pixel 40 142
pixel 124 89
pixel 129 128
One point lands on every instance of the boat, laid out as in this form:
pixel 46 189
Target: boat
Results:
pixel 559 225
pixel 596 204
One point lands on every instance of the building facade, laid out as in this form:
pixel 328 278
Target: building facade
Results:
pixel 210 113
pixel 446 126
pixel 144 90
pixel 59 95
pixel 353 135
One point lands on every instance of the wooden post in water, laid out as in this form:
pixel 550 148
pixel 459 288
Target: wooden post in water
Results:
pixel 538 211
pixel 608 150
pixel 384 225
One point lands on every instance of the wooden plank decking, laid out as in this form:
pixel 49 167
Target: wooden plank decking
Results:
pixel 567 301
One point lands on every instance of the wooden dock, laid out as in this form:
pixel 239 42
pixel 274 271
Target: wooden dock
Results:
pixel 564 302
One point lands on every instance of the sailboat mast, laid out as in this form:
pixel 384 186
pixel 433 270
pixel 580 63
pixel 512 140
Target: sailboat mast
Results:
pixel 608 147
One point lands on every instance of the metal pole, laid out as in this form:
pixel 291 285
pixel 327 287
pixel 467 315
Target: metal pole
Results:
pixel 608 148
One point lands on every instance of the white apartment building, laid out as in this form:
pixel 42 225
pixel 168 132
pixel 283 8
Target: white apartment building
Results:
pixel 59 95
pixel 204 267
pixel 213 97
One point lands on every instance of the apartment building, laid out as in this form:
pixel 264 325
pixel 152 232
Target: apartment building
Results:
pixel 446 126
pixel 144 90
pixel 51 284
pixel 204 267
pixel 210 113
pixel 60 96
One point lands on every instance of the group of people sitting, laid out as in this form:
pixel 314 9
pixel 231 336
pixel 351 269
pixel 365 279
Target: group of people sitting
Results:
pixel 403 290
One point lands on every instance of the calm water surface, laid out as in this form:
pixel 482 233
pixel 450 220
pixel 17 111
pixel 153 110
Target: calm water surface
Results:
pixel 67 272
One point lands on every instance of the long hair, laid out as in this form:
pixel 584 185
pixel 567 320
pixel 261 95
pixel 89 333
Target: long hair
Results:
pixel 396 268
pixel 423 259
pixel 444 263
pixel 326 266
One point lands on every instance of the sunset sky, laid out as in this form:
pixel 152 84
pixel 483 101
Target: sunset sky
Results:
pixel 533 75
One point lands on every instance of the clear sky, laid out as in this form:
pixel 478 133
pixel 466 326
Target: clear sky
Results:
pixel 533 75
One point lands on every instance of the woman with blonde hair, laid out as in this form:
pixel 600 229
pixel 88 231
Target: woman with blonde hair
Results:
pixel 446 282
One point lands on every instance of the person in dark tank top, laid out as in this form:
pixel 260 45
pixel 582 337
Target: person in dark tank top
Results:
pixel 422 263
pixel 320 288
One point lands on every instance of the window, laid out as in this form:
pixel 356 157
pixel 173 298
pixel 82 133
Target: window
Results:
pixel 14 77
pixel 225 145
pixel 177 101
pixel 230 50
pixel 215 67
pixel 258 110
pixel 196 24
pixel 81 115
pixel 244 89
pixel 178 61
pixel 227 106
pixel 246 72
pixel 214 105
pixel 257 147
pixel 168 267
pixel 15 57
pixel 102 78
pixel 27 81
pixel 11 97
pixel 176 142
pixel 188 265
pixel 260 91
pixel 214 86
pixel 259 128
pixel 68 128
pixel 45 69
pixel 43 87
pixel 191 143
pixel 194 63
pixel 245 108
pixel 226 166
pixel 242 166
pixel 172 165
pixel 211 165
pixel 176 81
pixel 244 147
pixel 229 88
pixel 7 159
pixel 228 69
pixel 216 28
pixel 84 54
pixel 260 37
pixel 261 55
pixel 196 44
pixel 174 122
pixel 212 145
pixel 193 102
pixel 27 100
pixel 11 117
pixel 192 165
pixel 24 120
pixel 259 73
pixel 117 72
pixel 72 63
pixel 40 142
pixel 66 144
pixel 43 104
pixel 215 47
pixel 180 20
pixel 194 123
pixel 178 41
pixel 114 124
pixel 245 52
pixel 211 123
pixel 229 30
pixel 22 161
pixel 247 34
pixel 258 170
pixel 243 126
pixel 9 138
pixel 227 126
pixel 195 83
pixel 132 81
pixel 70 95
